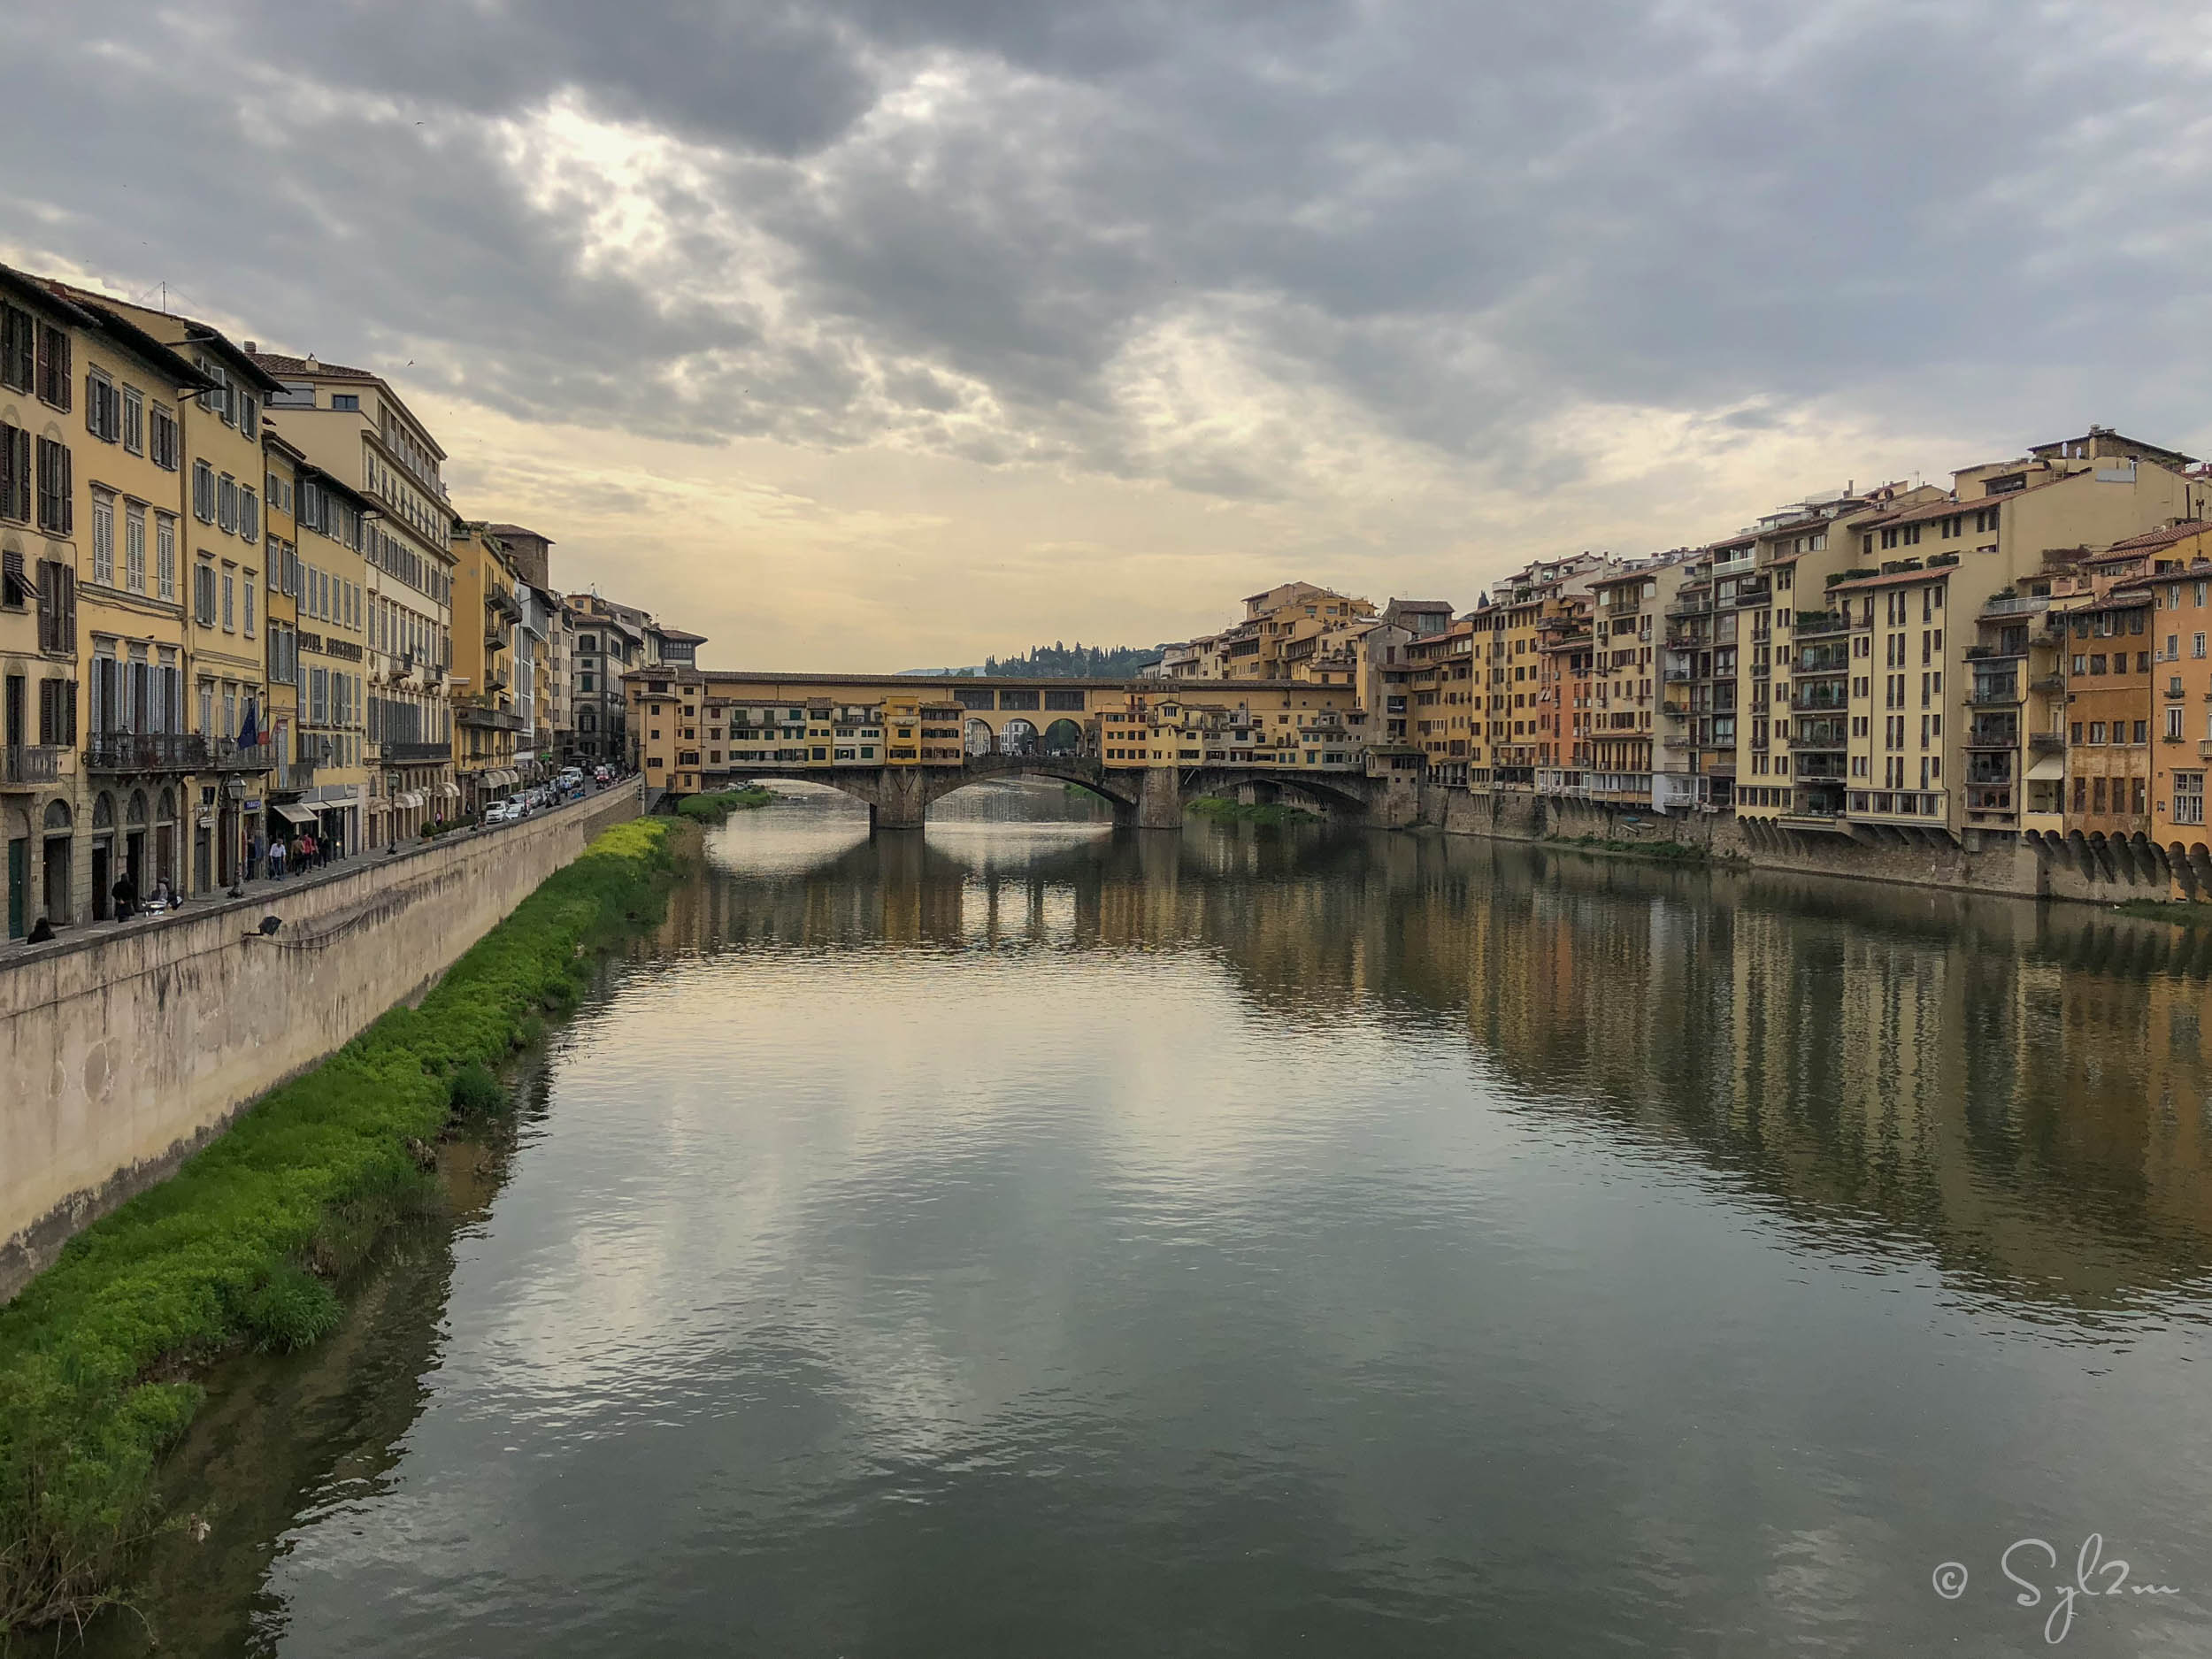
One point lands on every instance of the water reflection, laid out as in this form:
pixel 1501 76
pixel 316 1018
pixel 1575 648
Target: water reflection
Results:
pixel 1026 1237
pixel 2021 1089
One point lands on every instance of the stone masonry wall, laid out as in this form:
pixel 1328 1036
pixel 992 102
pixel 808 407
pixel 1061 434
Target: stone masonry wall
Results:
pixel 121 1053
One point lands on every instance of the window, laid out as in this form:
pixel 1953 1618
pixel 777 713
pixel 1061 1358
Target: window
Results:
pixel 248 514
pixel 204 596
pixel 53 367
pixel 226 502
pixel 2196 646
pixel 2188 797
pixel 56 606
pixel 15 473
pixel 18 348
pixel 104 538
pixel 345 400
pixel 161 438
pixel 134 420
pixel 248 612
pixel 103 407
pixel 165 555
pixel 56 514
pixel 204 492
pixel 135 548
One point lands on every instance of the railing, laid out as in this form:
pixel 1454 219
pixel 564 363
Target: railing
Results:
pixel 1813 700
pixel 1828 737
pixel 2046 742
pixel 2015 604
pixel 146 751
pixel 2204 748
pixel 485 719
pixel 1995 691
pixel 228 754
pixel 38 764
pixel 1823 622
pixel 416 753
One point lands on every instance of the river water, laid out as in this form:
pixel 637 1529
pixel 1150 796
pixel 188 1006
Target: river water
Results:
pixel 1024 1240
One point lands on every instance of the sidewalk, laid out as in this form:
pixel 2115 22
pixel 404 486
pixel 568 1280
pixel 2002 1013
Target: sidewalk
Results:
pixel 263 890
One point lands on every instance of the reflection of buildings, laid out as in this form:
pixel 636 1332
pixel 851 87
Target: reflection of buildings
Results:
pixel 1969 1075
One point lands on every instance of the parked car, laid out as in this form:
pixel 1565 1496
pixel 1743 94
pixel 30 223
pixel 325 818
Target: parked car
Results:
pixel 500 812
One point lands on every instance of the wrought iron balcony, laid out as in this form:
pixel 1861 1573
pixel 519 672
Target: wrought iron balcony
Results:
pixel 416 753
pixel 228 754
pixel 146 751
pixel 34 765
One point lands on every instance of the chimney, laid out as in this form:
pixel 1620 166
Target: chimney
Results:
pixel 253 347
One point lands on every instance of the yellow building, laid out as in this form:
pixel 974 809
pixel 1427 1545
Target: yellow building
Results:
pixel 1928 571
pixel 220 561
pixel 486 619
pixel 325 581
pixel 40 804
pixel 357 429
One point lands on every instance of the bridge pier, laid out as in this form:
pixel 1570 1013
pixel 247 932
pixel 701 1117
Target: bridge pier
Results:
pixel 1159 800
pixel 899 801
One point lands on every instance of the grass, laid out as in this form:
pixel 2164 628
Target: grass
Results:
pixel 238 1247
pixel 2181 912
pixel 1223 810
pixel 714 809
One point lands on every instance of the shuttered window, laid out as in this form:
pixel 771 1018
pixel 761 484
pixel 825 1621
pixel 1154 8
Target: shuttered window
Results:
pixel 53 367
pixel 18 348
pixel 15 473
pixel 56 511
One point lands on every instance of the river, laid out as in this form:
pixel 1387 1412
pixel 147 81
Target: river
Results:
pixel 1023 1240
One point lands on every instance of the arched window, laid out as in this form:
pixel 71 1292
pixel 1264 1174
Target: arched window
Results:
pixel 58 815
pixel 168 807
pixel 103 810
pixel 134 809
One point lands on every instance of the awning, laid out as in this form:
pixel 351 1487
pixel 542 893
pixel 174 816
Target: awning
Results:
pixel 409 800
pixel 299 817
pixel 450 791
pixel 2048 769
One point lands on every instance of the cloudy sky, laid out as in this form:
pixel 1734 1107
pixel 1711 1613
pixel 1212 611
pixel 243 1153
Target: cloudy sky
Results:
pixel 886 333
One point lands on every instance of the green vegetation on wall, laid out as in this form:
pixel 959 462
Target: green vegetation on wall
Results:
pixel 239 1247
pixel 714 809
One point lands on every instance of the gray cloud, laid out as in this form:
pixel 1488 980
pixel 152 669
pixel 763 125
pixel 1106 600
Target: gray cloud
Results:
pixel 1102 235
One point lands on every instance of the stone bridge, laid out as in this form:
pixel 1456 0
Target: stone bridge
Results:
pixel 1143 797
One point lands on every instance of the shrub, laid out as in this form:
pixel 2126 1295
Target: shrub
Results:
pixel 474 1089
pixel 715 809
pixel 289 1310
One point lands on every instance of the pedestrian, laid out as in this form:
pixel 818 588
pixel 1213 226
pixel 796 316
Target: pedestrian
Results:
pixel 276 859
pixel 41 932
pixel 162 899
pixel 124 893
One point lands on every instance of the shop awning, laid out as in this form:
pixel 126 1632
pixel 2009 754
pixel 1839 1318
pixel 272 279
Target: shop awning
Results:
pixel 450 791
pixel 410 800
pixel 2048 768
pixel 299 817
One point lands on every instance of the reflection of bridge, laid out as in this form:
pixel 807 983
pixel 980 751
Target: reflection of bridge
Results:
pixel 1149 797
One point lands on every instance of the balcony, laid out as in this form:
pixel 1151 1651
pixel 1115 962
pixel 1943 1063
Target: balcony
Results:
pixel 486 716
pixel 24 767
pixel 1814 624
pixel 1818 735
pixel 146 751
pixel 417 754
pixel 2204 748
pixel 1995 693
pixel 228 754
pixel 2053 681
pixel 1817 700
pixel 2046 743
pixel 2015 605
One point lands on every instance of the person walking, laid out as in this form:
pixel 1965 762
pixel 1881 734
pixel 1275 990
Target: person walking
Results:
pixel 124 893
pixel 276 859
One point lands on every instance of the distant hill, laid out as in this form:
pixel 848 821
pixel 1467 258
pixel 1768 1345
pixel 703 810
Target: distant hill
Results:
pixel 1077 662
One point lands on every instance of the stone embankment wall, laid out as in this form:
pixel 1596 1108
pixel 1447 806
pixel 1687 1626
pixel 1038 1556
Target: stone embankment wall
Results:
pixel 2001 867
pixel 122 1052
